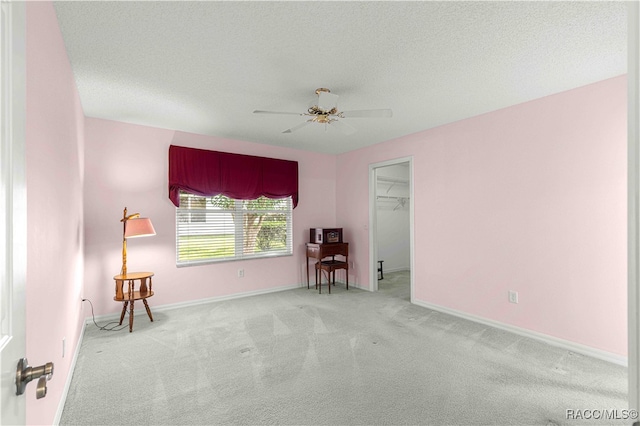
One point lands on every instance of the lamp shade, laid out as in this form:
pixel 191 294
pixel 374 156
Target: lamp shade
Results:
pixel 139 227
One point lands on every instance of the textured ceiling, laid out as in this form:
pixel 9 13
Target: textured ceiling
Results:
pixel 203 67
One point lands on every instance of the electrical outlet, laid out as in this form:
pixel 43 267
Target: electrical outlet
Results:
pixel 240 273
pixel 513 296
pixel 64 346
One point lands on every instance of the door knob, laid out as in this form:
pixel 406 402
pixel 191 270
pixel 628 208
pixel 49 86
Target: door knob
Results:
pixel 25 373
pixel 41 390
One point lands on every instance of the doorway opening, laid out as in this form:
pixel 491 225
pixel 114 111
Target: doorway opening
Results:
pixel 391 227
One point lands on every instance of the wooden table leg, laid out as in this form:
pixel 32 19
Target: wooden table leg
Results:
pixel 124 309
pixel 347 275
pixel 146 305
pixel 131 317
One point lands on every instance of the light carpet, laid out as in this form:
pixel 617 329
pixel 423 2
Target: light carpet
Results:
pixel 350 357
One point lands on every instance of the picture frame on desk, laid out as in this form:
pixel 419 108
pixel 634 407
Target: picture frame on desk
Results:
pixel 333 237
pixel 325 235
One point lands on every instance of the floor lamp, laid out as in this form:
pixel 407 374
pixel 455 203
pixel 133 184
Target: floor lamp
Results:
pixel 133 226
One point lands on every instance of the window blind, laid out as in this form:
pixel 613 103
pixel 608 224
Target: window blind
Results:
pixel 210 229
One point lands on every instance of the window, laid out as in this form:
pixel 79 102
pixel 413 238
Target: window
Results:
pixel 196 207
pixel 210 229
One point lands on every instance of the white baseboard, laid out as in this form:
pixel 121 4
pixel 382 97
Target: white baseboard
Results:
pixel 178 305
pixel 359 287
pixel 400 269
pixel 551 340
pixel 67 385
pixel 226 297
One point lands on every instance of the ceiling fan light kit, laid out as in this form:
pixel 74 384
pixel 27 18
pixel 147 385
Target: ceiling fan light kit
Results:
pixel 324 110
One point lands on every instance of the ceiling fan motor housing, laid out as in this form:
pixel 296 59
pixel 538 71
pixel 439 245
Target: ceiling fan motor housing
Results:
pixel 325 104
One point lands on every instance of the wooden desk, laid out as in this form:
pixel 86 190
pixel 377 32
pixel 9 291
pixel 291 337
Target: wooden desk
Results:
pixel 323 251
pixel 131 295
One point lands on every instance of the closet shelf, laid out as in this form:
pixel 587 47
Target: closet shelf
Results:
pixel 392 197
pixel 385 179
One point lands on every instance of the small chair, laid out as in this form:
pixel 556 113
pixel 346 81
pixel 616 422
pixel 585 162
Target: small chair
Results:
pixel 330 266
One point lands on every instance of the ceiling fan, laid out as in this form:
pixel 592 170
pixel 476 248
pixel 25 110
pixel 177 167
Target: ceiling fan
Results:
pixel 324 110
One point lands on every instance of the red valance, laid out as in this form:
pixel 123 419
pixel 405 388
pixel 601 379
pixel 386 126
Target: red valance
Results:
pixel 242 177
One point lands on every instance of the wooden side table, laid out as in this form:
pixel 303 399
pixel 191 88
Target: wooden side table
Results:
pixel 131 295
pixel 321 251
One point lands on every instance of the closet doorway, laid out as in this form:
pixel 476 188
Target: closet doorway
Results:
pixel 391 227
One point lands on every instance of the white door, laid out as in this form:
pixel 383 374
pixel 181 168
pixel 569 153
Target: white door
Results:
pixel 13 209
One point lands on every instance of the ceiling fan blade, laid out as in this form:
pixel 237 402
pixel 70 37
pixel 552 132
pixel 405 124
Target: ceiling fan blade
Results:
pixel 299 126
pixel 276 112
pixel 343 127
pixel 367 113
pixel 327 101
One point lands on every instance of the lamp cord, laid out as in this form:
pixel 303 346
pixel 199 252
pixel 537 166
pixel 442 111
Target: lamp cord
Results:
pixel 106 326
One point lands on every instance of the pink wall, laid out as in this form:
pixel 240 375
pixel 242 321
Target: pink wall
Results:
pixel 54 151
pixel 126 165
pixel 530 198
